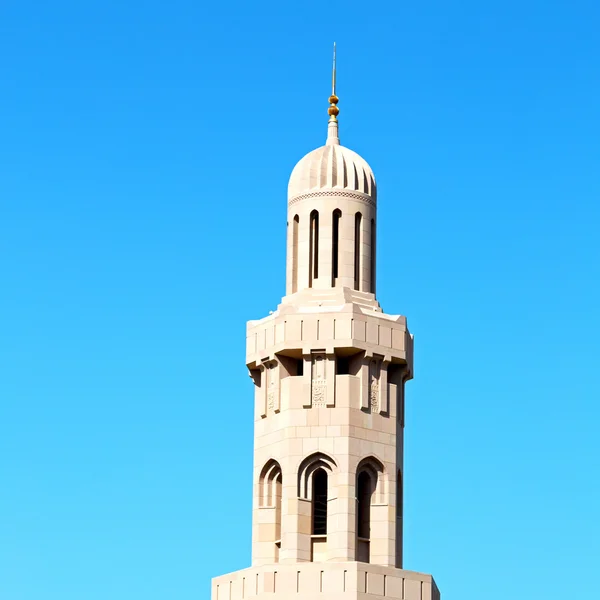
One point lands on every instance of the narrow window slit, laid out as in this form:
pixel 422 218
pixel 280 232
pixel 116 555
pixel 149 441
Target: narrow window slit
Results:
pixel 319 502
pixel 364 496
pixel 313 258
pixel 373 255
pixel 295 225
pixel 335 252
pixel 357 244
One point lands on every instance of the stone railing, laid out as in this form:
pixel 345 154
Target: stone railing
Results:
pixel 324 581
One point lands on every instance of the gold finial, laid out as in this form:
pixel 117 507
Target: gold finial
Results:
pixel 333 110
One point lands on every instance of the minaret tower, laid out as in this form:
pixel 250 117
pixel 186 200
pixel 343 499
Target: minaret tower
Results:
pixel 329 369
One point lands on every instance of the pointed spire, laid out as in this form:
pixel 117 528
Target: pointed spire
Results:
pixel 333 73
pixel 332 128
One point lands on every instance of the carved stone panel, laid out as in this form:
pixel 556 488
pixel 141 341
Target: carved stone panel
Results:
pixel 374 384
pixel 319 380
pixel 272 386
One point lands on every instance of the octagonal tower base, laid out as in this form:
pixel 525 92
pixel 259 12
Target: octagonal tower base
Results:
pixel 324 581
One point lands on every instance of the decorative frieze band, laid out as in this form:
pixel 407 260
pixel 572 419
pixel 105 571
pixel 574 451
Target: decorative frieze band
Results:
pixel 335 193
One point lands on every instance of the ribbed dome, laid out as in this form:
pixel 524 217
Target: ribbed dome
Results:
pixel 332 166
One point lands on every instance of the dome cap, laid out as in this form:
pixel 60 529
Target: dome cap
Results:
pixel 332 166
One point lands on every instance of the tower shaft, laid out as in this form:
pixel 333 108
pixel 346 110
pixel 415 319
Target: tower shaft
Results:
pixel 329 369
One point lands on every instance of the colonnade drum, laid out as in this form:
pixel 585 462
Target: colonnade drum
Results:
pixel 331 237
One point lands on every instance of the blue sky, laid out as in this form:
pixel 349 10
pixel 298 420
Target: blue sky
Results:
pixel 145 154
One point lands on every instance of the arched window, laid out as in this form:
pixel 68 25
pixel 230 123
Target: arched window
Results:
pixel 313 259
pixel 399 511
pixel 295 225
pixel 319 502
pixel 363 496
pixel 269 498
pixel 357 240
pixel 370 490
pixel 314 478
pixel 373 248
pixel 307 468
pixel 335 250
pixel 364 493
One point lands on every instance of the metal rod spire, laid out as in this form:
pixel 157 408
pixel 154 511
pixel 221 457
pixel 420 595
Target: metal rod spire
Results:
pixel 333 74
pixel 333 110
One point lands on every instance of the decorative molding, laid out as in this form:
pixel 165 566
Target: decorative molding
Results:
pixel 337 193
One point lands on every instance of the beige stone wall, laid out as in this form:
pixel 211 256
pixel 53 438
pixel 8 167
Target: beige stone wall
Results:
pixel 345 420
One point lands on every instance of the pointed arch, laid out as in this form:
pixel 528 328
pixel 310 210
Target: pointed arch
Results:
pixel 269 484
pixel 320 497
pixel 270 489
pixel 314 478
pixel 307 468
pixel 369 491
pixel 376 471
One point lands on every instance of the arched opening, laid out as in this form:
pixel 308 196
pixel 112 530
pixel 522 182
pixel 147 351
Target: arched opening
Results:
pixel 399 511
pixel 295 225
pixel 308 468
pixel 335 250
pixel 373 248
pixel 319 502
pixel 364 494
pixel 314 474
pixel 357 236
pixel 269 494
pixel 278 493
pixel 313 259
pixel 371 500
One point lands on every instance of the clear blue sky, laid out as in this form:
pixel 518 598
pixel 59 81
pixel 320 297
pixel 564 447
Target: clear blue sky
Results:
pixel 145 151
